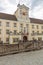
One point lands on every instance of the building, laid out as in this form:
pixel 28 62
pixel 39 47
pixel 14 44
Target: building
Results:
pixel 19 26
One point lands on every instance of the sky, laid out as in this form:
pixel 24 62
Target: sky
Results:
pixel 35 7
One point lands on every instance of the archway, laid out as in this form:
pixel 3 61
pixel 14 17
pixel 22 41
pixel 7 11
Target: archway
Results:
pixel 25 38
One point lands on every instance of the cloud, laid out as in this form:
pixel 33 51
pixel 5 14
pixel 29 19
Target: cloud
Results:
pixel 1 8
pixel 12 1
pixel 35 11
pixel 7 6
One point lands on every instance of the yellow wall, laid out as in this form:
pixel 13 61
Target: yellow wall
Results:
pixel 35 30
pixel 11 28
pixel 3 28
pixel 25 21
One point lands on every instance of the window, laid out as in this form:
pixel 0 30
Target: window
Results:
pixel 20 11
pixel 7 39
pixel 0 31
pixel 39 38
pixel 0 39
pixel 32 26
pixel 21 27
pixel 7 31
pixel 15 31
pixel 27 26
pixel 33 38
pixel 37 26
pixel 15 39
pixel 42 32
pixel 15 24
pixel 0 23
pixel 33 32
pixel 42 27
pixel 7 24
pixel 37 32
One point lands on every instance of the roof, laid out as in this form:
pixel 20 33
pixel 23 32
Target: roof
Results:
pixel 37 21
pixel 24 6
pixel 13 17
pixel 8 16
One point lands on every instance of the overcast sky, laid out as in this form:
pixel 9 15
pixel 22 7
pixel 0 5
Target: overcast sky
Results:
pixel 35 11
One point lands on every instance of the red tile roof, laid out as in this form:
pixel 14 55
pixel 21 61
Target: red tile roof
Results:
pixel 37 21
pixel 8 16
pixel 13 17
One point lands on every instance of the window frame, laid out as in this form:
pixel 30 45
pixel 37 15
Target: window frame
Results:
pixel 15 24
pixel 7 24
pixel 7 31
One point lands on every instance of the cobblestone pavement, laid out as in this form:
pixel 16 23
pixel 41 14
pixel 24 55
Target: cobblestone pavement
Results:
pixel 26 58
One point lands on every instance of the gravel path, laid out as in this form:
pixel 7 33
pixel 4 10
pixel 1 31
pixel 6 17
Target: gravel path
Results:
pixel 26 58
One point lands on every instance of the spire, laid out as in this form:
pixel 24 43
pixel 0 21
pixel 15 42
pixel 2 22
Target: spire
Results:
pixel 18 4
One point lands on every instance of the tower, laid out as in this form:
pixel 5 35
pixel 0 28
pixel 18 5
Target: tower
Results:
pixel 23 18
pixel 22 12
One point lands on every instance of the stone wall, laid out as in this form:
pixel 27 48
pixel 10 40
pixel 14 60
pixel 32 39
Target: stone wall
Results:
pixel 8 49
pixel 20 47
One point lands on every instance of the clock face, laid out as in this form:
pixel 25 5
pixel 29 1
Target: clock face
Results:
pixel 23 13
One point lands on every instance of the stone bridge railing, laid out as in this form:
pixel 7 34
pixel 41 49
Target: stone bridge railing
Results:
pixel 20 47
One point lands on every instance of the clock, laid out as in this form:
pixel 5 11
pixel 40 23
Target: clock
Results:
pixel 23 13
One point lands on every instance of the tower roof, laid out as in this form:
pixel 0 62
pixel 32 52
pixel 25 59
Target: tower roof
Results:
pixel 23 6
